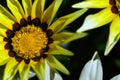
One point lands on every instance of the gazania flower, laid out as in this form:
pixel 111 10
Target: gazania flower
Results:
pixel 110 13
pixel 29 37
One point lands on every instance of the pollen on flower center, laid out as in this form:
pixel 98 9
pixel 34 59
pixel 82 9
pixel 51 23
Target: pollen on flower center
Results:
pixel 29 42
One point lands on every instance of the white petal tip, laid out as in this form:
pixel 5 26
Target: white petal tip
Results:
pixel 57 77
pixel 75 6
pixel 79 31
pixel 95 56
pixel 84 28
pixel 92 69
pixel 106 52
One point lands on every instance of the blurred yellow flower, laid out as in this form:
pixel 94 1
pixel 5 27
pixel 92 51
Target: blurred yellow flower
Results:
pixel 29 37
pixel 110 13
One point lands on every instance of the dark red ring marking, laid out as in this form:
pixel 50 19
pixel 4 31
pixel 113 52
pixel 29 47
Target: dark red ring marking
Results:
pixel 36 21
pixel 16 26
pixel 49 33
pixel 29 20
pixel 44 26
pixel 36 58
pixel 10 33
pixel 112 2
pixel 114 9
pixel 27 61
pixel 7 40
pixel 23 22
pixel 11 53
pixel 8 46
pixel 19 59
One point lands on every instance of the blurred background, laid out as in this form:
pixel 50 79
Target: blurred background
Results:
pixel 84 48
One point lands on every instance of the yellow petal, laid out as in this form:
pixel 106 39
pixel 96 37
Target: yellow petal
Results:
pixel 1 38
pixel 65 37
pixel 24 70
pixel 96 20
pixel 50 12
pixel 27 5
pixel 2 44
pixel 92 4
pixel 114 35
pixel 4 57
pixel 54 63
pixel 37 8
pixel 62 22
pixel 16 9
pixel 39 69
pixel 57 50
pixel 3 30
pixel 10 69
pixel 6 18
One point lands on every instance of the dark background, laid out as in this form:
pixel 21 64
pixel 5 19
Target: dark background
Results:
pixel 84 48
